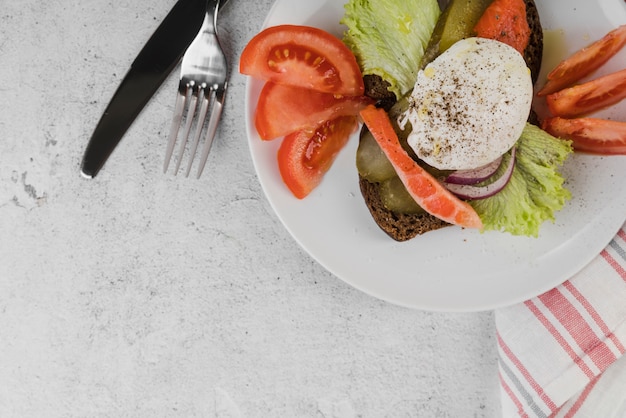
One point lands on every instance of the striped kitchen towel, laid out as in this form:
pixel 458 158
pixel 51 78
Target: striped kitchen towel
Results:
pixel 561 354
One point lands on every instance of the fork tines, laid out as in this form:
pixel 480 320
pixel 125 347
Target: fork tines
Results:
pixel 192 105
pixel 203 82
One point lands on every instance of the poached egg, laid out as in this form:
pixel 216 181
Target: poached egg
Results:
pixel 470 105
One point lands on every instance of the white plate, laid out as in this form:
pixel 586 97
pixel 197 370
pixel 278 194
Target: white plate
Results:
pixel 451 269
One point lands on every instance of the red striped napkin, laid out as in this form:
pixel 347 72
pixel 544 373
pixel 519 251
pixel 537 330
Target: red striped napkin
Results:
pixel 561 354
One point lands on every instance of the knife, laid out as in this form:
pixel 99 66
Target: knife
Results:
pixel 155 61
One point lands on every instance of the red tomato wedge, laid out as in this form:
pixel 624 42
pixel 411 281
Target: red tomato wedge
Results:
pixel 282 109
pixel 505 21
pixel 302 56
pixel 305 156
pixel 595 136
pixel 588 97
pixel 431 195
pixel 585 61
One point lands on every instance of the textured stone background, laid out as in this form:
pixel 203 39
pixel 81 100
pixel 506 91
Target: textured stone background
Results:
pixel 139 294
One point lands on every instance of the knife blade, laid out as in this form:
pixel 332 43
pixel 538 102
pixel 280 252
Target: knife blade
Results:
pixel 155 61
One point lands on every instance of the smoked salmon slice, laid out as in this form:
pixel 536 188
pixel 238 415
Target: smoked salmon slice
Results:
pixel 431 195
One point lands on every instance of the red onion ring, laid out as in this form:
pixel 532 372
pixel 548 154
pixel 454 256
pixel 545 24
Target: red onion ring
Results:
pixel 474 175
pixel 471 192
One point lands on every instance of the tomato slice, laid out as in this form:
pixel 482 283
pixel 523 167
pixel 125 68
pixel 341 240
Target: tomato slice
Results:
pixel 588 97
pixel 505 21
pixel 585 61
pixel 282 109
pixel 431 195
pixel 305 57
pixel 305 156
pixel 595 136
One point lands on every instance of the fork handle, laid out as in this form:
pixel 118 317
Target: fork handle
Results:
pixel 210 19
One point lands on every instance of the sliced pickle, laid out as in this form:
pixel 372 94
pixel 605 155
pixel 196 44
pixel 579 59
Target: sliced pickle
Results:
pixel 432 49
pixel 371 161
pixel 455 23
pixel 461 20
pixel 396 198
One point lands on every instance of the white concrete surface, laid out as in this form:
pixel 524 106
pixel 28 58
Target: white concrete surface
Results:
pixel 138 294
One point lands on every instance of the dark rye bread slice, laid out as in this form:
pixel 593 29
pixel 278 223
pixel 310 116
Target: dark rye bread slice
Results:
pixel 533 53
pixel 401 226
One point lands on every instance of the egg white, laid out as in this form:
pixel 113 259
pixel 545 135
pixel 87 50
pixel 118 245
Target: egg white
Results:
pixel 469 106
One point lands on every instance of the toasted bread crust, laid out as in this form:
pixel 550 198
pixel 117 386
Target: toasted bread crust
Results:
pixel 401 226
pixel 533 53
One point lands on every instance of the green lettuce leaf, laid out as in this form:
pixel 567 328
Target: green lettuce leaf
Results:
pixel 389 37
pixel 536 189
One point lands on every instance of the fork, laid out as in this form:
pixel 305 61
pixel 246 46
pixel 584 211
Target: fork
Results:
pixel 203 83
